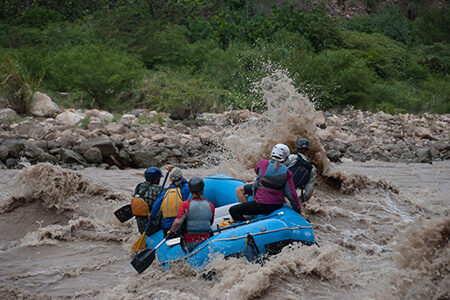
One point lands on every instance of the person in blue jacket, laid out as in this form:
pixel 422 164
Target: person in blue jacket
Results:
pixel 169 201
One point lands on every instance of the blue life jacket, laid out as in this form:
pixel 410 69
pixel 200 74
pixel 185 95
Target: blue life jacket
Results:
pixel 199 216
pixel 273 179
pixel 301 172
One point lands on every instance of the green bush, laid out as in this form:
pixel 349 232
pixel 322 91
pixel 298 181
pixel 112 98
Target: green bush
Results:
pixel 338 77
pixel 392 23
pixel 436 94
pixel 433 27
pixel 435 56
pixel 17 85
pixel 169 47
pixel 321 30
pixel 101 72
pixel 165 90
pixel 386 56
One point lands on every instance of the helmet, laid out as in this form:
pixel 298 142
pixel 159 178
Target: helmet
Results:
pixel 152 173
pixel 280 151
pixel 302 144
pixel 196 184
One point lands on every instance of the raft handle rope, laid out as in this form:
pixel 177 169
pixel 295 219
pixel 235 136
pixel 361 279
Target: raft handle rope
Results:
pixel 233 239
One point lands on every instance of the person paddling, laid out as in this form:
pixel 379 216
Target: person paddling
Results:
pixel 145 195
pixel 273 183
pixel 303 170
pixel 196 215
pixel 169 201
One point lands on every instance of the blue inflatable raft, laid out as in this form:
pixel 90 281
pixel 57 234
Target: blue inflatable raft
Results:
pixel 255 238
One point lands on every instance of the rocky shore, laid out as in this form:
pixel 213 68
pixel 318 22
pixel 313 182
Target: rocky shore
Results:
pixel 78 139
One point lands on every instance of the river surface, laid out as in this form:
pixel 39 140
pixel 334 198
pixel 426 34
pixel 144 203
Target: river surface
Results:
pixel 383 228
pixel 375 243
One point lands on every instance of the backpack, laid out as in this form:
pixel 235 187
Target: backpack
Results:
pixel 171 203
pixel 139 207
pixel 300 172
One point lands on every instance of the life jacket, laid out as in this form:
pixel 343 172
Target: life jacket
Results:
pixel 301 172
pixel 171 203
pixel 272 179
pixel 199 216
pixel 139 207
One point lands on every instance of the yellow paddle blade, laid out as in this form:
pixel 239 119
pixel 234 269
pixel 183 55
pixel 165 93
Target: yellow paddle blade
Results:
pixel 140 244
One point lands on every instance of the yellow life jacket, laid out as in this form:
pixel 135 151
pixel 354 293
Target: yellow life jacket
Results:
pixel 171 203
pixel 139 207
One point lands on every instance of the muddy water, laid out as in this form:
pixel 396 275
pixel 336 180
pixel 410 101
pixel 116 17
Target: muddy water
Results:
pixel 374 244
pixel 383 228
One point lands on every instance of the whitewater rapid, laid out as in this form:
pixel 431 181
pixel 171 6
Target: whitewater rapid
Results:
pixel 374 243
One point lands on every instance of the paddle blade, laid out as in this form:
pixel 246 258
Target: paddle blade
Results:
pixel 124 213
pixel 140 244
pixel 143 260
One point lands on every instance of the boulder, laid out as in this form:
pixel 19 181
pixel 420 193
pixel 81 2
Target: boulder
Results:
pixel 424 133
pixel 424 155
pixel 320 119
pixel 45 157
pixel 159 138
pixel 42 106
pixel 325 135
pixel 30 130
pixel 69 117
pixel 31 151
pixel 71 157
pixel 144 159
pixel 205 134
pixel 180 113
pixel 8 113
pixel 106 146
pixel 124 157
pixel 93 155
pixel 11 147
pixel 115 128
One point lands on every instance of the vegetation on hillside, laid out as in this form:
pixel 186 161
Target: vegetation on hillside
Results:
pixel 207 55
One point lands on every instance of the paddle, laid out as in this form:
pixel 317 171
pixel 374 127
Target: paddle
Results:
pixel 144 259
pixel 124 213
pixel 140 243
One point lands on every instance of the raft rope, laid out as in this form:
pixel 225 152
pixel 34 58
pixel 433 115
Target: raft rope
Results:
pixel 232 239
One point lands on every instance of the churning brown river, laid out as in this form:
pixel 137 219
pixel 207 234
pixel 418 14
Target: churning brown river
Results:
pixel 383 233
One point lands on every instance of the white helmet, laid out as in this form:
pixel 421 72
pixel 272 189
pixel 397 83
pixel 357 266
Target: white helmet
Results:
pixel 280 152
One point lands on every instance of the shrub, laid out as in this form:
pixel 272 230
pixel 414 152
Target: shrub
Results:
pixel 236 70
pixel 433 27
pixel 386 56
pixel 169 47
pixel 392 23
pixel 436 94
pixel 338 77
pixel 99 71
pixel 167 89
pixel 17 85
pixel 435 56
pixel 321 30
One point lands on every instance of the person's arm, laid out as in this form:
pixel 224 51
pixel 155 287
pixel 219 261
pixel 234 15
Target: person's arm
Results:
pixel 184 189
pixel 213 210
pixel 291 193
pixel 309 187
pixel 136 189
pixel 175 226
pixel 157 205
pixel 291 160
